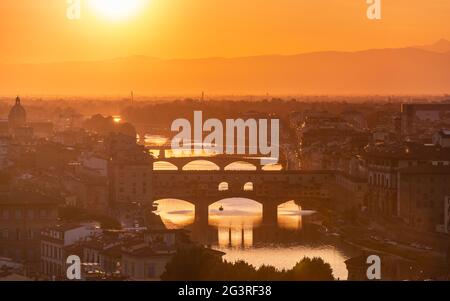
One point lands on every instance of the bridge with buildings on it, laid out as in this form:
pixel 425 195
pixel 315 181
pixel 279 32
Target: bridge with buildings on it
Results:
pixel 269 188
pixel 221 161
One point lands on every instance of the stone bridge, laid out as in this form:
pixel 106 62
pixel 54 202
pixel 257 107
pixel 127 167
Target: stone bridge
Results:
pixel 269 188
pixel 221 162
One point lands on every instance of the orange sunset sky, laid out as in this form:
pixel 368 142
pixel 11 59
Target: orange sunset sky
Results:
pixel 38 31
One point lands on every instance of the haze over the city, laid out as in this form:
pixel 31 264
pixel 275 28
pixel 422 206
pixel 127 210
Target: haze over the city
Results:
pixel 253 141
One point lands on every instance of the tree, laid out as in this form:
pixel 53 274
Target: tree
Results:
pixel 198 263
pixel 191 264
pixel 269 273
pixel 106 125
pixel 314 269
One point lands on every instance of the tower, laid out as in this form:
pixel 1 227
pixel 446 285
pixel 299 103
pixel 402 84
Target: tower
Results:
pixel 17 115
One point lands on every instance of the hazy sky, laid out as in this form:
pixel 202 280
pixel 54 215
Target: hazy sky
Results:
pixel 38 30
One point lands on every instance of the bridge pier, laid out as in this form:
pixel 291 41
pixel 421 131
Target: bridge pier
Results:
pixel 141 137
pixel 201 213
pixel 270 213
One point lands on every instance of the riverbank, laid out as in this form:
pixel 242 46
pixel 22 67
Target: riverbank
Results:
pixel 429 255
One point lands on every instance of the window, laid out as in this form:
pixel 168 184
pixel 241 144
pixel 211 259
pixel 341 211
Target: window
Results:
pixel 223 186
pixel 4 234
pixel 151 271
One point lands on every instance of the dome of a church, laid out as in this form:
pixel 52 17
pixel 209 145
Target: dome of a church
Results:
pixel 17 115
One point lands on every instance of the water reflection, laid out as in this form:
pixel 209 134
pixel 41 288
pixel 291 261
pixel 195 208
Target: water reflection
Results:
pixel 285 257
pixel 231 213
pixel 160 141
pixel 237 231
pixel 176 214
pixel 235 226
pixel 155 140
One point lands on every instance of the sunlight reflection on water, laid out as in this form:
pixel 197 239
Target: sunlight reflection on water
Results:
pixel 236 223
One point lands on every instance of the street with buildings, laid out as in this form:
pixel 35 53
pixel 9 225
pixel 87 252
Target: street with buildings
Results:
pixel 377 174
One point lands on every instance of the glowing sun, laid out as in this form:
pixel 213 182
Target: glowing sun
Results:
pixel 116 9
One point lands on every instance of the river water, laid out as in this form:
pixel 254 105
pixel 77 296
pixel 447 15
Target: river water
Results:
pixel 235 227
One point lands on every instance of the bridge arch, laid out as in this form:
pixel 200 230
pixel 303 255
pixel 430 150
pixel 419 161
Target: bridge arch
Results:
pixel 175 213
pixel 264 211
pixel 241 165
pixel 164 165
pixel 201 165
pixel 169 199
pixel 236 205
pixel 249 186
pixel 290 215
pixel 223 186
pixel 272 167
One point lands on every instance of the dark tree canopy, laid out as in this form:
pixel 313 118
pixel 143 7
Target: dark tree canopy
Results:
pixel 198 263
pixel 106 125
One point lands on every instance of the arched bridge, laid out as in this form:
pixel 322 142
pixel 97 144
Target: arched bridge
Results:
pixel 221 162
pixel 270 188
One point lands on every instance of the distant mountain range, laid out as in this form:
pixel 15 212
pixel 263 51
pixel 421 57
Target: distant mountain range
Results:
pixel 440 46
pixel 413 70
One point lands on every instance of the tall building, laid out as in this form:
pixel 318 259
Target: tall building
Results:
pixel 22 217
pixel 19 127
pixel 59 242
pixel 385 161
pixel 422 192
pixel 129 174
